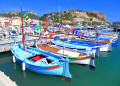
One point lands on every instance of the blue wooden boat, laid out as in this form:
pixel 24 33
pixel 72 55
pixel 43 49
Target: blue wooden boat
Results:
pixel 78 47
pixel 40 61
pixel 102 46
pixel 114 41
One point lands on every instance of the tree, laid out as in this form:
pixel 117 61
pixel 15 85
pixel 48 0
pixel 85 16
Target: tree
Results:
pixel 43 24
pixel 91 19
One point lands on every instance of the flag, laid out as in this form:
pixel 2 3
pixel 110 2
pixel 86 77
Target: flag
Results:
pixel 76 32
pixel 31 22
pixel 50 36
pixel 82 34
pixel 56 25
pixel 49 21
pixel 40 34
pixel 24 15
pixel 53 22
pixel 41 30
pixel 73 32
pixel 44 29
pixel 56 38
pixel 59 25
pixel 62 26
pixel 69 30
pixel 34 25
pixel 38 27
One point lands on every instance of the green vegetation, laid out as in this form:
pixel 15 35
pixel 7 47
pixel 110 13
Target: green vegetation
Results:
pixel 9 15
pixel 43 24
pixel 91 19
pixel 91 14
pixel 96 23
pixel 32 16
pixel 67 16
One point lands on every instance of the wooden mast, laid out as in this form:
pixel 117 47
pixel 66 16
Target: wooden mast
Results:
pixel 46 29
pixel 22 29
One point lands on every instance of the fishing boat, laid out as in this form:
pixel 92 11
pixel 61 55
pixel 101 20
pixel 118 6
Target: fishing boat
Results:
pixel 40 61
pixel 113 40
pixel 78 47
pixel 74 56
pixel 102 46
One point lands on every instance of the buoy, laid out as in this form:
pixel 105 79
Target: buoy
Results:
pixel 23 66
pixel 14 60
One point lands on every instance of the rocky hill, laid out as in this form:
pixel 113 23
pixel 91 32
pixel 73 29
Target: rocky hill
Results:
pixel 69 16
pixel 15 13
pixel 77 16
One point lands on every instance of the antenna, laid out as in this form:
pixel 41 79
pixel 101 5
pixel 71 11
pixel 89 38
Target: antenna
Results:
pixel 59 13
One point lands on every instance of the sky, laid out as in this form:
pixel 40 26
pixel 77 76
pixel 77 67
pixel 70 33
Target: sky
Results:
pixel 111 8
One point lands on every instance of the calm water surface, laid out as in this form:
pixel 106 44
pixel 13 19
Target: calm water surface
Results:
pixel 106 73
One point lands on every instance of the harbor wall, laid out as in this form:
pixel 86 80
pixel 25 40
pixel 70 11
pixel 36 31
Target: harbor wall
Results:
pixel 5 80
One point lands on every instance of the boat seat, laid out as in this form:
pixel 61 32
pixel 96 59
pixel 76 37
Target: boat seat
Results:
pixel 37 58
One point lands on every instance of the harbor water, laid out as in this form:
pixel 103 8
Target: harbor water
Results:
pixel 106 73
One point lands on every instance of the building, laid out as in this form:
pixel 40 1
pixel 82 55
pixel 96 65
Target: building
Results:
pixel 6 21
pixel 116 25
pixel 66 21
pixel 2 21
pixel 15 21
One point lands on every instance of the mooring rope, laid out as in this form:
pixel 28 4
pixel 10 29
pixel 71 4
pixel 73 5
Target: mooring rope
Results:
pixel 79 78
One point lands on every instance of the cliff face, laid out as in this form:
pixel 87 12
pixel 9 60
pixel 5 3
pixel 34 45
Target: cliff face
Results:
pixel 88 16
pixel 100 15
pixel 75 16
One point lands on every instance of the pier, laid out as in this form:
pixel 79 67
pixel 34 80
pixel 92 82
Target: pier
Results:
pixel 6 45
pixel 5 80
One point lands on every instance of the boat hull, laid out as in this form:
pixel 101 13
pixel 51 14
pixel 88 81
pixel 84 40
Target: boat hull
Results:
pixel 115 42
pixel 83 61
pixel 105 47
pixel 38 69
pixel 40 61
